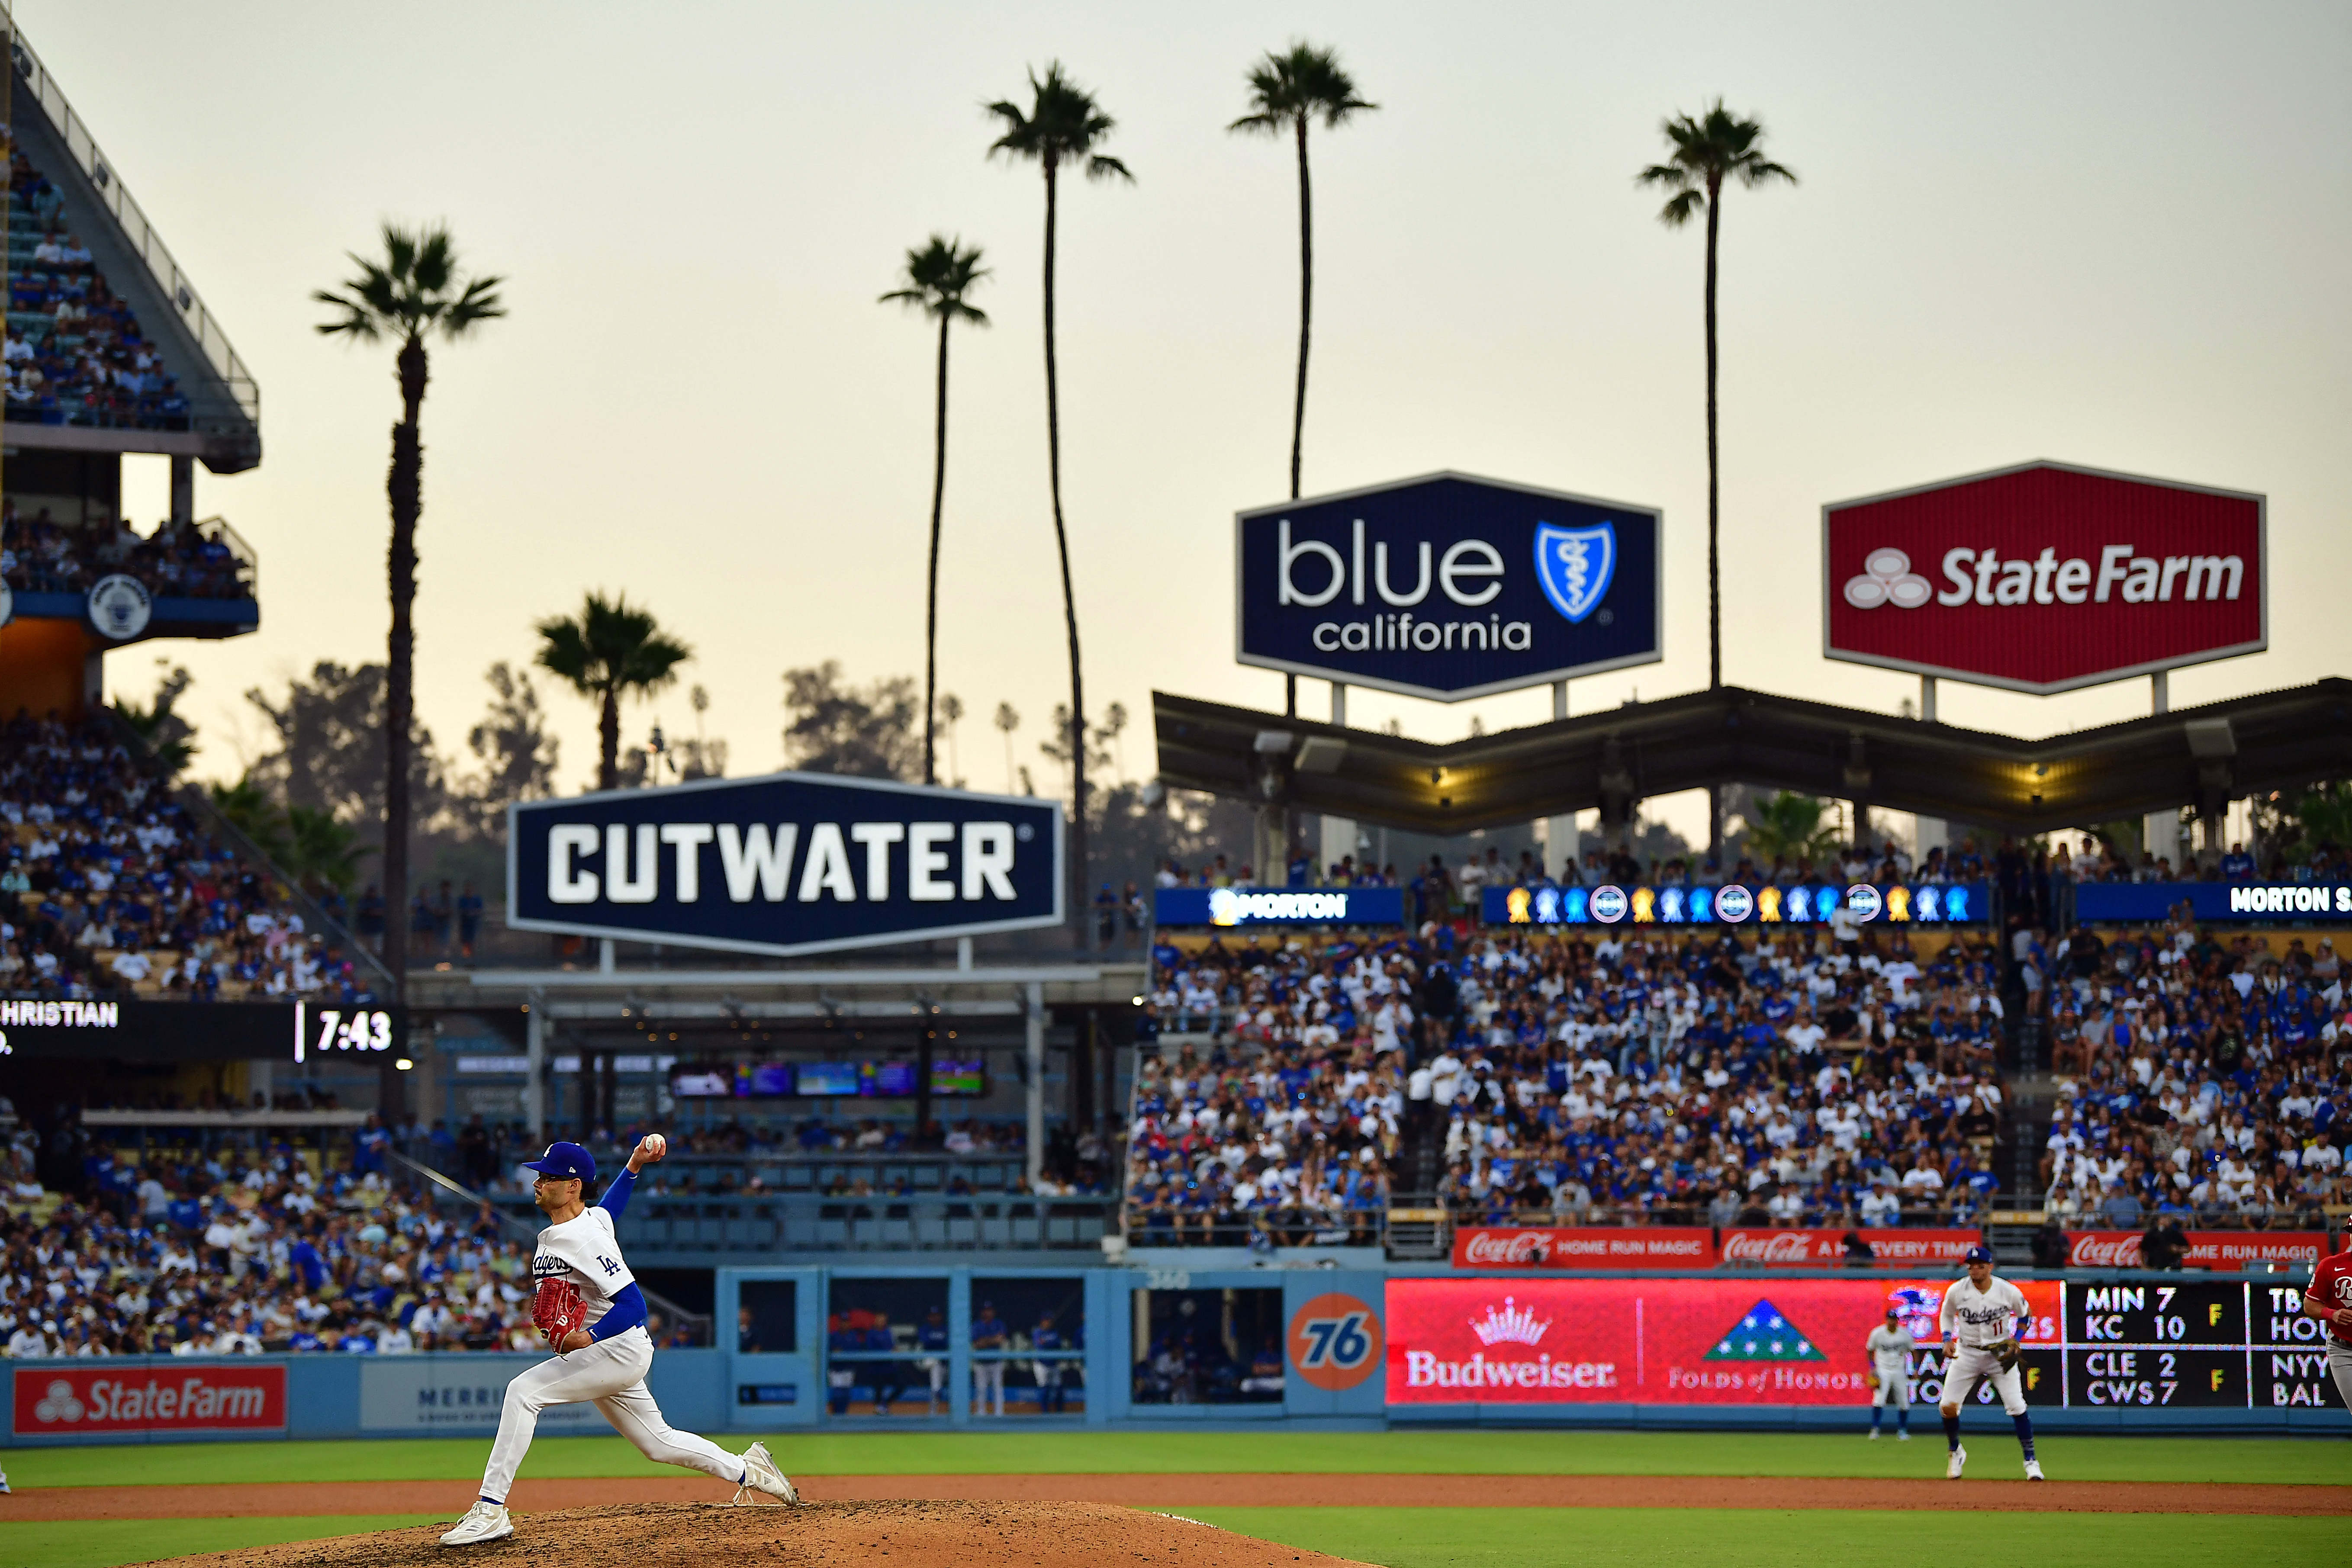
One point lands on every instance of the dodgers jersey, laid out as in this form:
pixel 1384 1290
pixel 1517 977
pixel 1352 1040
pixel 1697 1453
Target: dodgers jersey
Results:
pixel 1979 1318
pixel 582 1250
pixel 1890 1350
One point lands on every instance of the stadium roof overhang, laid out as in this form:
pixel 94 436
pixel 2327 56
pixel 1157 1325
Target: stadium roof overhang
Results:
pixel 2201 756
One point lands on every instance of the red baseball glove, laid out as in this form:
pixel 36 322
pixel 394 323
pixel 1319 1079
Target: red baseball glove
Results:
pixel 558 1309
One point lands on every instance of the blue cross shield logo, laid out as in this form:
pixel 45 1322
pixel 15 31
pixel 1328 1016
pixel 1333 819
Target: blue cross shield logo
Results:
pixel 1574 565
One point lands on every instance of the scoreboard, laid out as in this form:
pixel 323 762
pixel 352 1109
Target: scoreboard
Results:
pixel 2215 1344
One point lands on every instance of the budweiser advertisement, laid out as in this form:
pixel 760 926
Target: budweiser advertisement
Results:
pixel 2044 578
pixel 54 1401
pixel 2206 1249
pixel 1593 1247
pixel 1682 1342
pixel 1827 1248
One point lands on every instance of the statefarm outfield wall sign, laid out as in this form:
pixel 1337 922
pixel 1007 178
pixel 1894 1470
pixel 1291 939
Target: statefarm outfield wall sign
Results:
pixel 1447 587
pixel 2045 578
pixel 792 862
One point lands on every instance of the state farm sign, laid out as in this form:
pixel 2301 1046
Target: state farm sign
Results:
pixel 53 1401
pixel 2044 578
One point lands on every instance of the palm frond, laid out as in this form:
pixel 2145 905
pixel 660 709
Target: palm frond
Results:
pixel 1102 168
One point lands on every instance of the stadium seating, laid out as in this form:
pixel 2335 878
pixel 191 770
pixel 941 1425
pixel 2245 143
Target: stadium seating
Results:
pixel 108 887
pixel 186 560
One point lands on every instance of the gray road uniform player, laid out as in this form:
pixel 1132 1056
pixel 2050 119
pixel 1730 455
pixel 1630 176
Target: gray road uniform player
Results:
pixel 1889 1346
pixel 604 1362
pixel 1980 1319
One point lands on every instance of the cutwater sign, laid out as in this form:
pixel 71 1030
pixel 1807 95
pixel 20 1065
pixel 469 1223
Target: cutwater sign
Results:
pixel 1447 587
pixel 792 863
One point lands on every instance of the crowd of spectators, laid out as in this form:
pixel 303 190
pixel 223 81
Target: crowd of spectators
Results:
pixel 75 353
pixel 2198 1077
pixel 1644 1076
pixel 178 560
pixel 110 889
pixel 264 1247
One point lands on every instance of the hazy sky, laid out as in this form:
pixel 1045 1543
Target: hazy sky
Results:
pixel 2114 235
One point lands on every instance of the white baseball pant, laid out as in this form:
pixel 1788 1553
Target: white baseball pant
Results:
pixel 610 1374
pixel 987 1377
pixel 1894 1391
pixel 1970 1365
pixel 2339 1363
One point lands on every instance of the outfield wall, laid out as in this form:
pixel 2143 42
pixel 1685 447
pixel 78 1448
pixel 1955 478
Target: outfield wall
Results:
pixel 1359 1347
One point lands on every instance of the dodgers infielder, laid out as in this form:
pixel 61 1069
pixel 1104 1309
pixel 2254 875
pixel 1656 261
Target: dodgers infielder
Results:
pixel 603 1362
pixel 1890 1346
pixel 1980 1323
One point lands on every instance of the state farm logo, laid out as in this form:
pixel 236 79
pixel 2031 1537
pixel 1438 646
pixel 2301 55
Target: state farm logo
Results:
pixel 57 1405
pixel 1772 1247
pixel 1493 1246
pixel 1887 579
pixel 2092 1250
pixel 1509 1323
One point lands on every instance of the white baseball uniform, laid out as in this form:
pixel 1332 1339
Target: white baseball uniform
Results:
pixel 610 1373
pixel 1890 1353
pixel 1976 1318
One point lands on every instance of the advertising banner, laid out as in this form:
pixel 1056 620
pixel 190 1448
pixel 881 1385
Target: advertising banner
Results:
pixel 1588 1247
pixel 1278 906
pixel 2222 903
pixel 2206 1249
pixel 93 1398
pixel 1826 1247
pixel 453 1394
pixel 1925 904
pixel 792 863
pixel 2044 578
pixel 1682 1342
pixel 1447 587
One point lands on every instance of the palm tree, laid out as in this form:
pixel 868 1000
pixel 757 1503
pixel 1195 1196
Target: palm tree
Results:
pixel 1707 151
pixel 950 714
pixel 1008 719
pixel 938 277
pixel 1062 124
pixel 1285 92
pixel 609 649
pixel 413 291
pixel 1789 826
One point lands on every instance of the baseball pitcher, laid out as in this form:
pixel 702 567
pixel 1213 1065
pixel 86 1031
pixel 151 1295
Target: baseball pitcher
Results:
pixel 1889 1346
pixel 2329 1299
pixel 589 1307
pixel 1980 1319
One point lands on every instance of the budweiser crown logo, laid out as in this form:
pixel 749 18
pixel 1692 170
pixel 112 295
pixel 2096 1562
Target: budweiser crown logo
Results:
pixel 1509 1323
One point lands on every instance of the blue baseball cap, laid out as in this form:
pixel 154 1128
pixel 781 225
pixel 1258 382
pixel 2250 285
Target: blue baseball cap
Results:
pixel 1975 1254
pixel 565 1161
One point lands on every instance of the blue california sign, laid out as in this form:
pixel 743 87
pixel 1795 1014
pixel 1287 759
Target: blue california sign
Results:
pixel 1448 586
pixel 792 862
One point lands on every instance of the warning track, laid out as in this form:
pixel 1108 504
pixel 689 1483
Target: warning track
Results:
pixel 301 1498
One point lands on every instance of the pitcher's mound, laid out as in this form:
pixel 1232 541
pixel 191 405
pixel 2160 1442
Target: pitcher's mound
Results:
pixel 900 1534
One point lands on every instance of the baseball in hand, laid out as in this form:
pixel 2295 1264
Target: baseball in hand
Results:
pixel 655 1145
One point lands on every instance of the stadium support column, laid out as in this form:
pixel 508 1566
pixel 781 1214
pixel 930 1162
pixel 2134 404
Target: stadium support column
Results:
pixel 535 1094
pixel 2159 831
pixel 1339 834
pixel 184 489
pixel 1034 1009
pixel 1561 848
pixel 1927 832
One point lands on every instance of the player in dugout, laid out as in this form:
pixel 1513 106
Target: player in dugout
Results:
pixel 589 1307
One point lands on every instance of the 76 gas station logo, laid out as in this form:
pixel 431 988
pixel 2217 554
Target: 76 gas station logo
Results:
pixel 1336 1342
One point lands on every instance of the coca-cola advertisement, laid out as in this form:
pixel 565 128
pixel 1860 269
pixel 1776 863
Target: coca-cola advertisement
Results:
pixel 129 1397
pixel 2229 1250
pixel 1584 1247
pixel 1684 1341
pixel 2044 578
pixel 1824 1249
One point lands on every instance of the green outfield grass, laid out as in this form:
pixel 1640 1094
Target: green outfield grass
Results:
pixel 2308 1462
pixel 108 1543
pixel 1804 1537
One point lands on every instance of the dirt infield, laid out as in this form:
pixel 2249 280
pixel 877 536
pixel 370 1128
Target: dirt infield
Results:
pixel 904 1534
pixel 276 1498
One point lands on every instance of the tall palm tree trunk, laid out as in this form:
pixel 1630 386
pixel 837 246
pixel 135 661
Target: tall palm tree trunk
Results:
pixel 1305 303
pixel 1713 575
pixel 608 741
pixel 405 489
pixel 931 591
pixel 1077 736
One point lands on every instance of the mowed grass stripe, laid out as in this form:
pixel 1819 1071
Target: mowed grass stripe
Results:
pixel 1813 1538
pixel 107 1543
pixel 1014 1450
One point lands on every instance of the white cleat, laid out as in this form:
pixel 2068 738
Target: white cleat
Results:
pixel 1902 1436
pixel 1874 1434
pixel 484 1521
pixel 2033 1470
pixel 1957 1463
pixel 760 1474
